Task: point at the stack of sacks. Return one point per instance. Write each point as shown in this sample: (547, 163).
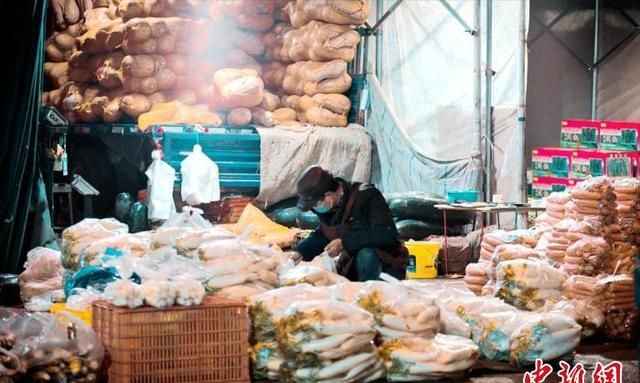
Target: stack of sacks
(137, 54)
(545, 337)
(496, 238)
(615, 295)
(265, 310)
(477, 276)
(555, 208)
(627, 192)
(316, 46)
(588, 256)
(595, 200)
(398, 311)
(328, 340)
(583, 311)
(418, 359)
(528, 283)
(232, 262)
(579, 287)
(508, 252)
(622, 260)
(559, 242)
(78, 237)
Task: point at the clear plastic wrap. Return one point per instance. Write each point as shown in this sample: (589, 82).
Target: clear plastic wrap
(583, 311)
(265, 309)
(527, 283)
(546, 337)
(588, 256)
(398, 311)
(42, 274)
(43, 344)
(79, 236)
(328, 339)
(418, 359)
(319, 272)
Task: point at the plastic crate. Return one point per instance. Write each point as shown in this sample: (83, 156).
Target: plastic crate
(83, 315)
(197, 344)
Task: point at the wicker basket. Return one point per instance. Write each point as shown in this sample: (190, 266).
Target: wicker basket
(205, 343)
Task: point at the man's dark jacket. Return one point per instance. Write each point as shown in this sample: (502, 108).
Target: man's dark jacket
(370, 224)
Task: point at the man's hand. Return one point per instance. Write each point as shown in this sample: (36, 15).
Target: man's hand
(295, 256)
(334, 248)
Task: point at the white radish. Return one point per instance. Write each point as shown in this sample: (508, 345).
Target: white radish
(324, 344)
(344, 365)
(221, 281)
(395, 322)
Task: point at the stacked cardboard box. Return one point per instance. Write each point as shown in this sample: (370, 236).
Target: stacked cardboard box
(589, 148)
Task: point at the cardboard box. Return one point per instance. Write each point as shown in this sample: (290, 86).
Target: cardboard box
(580, 134)
(543, 186)
(594, 163)
(619, 136)
(551, 162)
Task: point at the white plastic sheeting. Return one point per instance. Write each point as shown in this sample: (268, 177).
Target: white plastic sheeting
(422, 113)
(286, 151)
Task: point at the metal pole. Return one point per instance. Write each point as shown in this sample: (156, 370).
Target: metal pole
(378, 34)
(477, 84)
(488, 125)
(365, 55)
(523, 95)
(594, 73)
(386, 14)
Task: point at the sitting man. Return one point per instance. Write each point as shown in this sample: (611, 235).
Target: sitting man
(355, 225)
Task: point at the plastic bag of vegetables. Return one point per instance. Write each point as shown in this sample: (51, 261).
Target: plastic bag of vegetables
(265, 309)
(79, 236)
(42, 347)
(547, 337)
(418, 359)
(399, 312)
(327, 339)
(528, 283)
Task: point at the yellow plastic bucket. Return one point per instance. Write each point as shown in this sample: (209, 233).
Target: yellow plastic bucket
(422, 259)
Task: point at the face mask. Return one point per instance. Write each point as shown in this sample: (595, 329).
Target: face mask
(321, 209)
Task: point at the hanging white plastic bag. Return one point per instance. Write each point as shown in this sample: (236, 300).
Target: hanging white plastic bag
(200, 178)
(161, 177)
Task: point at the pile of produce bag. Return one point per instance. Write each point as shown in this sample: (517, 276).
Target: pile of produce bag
(555, 208)
(42, 347)
(398, 311)
(615, 295)
(583, 311)
(579, 287)
(136, 245)
(188, 243)
(546, 337)
(328, 340)
(556, 248)
(496, 238)
(42, 274)
(81, 235)
(418, 359)
(588, 256)
(477, 275)
(528, 283)
(232, 262)
(627, 191)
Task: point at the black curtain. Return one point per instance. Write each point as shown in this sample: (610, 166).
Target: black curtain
(23, 25)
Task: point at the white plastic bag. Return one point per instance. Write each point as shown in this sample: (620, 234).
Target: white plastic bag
(161, 177)
(200, 178)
